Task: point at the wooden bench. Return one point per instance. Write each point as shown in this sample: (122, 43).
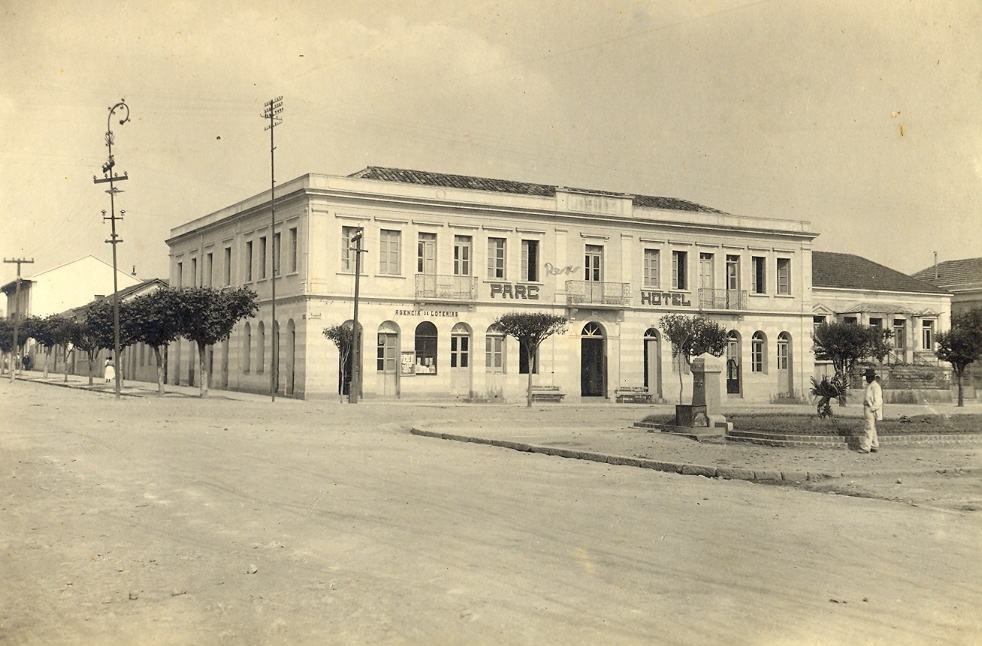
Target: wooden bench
(547, 394)
(632, 395)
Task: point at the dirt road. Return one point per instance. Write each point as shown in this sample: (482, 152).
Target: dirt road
(182, 521)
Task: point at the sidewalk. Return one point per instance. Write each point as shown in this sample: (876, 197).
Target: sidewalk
(131, 388)
(607, 434)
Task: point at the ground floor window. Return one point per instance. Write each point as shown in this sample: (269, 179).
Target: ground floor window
(426, 343)
(494, 352)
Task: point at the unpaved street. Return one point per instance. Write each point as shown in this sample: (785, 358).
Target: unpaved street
(181, 521)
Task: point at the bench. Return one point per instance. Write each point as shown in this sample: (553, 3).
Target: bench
(632, 395)
(547, 394)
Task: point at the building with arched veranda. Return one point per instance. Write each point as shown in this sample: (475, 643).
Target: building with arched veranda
(445, 255)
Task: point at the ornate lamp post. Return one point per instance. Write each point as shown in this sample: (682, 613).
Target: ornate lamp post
(108, 175)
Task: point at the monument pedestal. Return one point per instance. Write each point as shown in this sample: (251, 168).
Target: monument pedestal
(706, 408)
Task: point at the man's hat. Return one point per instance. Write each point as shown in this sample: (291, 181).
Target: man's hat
(870, 372)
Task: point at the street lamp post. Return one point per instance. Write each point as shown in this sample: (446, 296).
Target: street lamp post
(108, 175)
(354, 389)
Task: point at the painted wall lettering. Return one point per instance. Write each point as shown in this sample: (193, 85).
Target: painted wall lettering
(553, 271)
(519, 291)
(674, 299)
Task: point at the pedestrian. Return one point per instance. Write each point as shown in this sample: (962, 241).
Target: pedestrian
(872, 411)
(110, 369)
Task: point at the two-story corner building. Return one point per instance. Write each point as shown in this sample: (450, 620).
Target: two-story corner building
(445, 255)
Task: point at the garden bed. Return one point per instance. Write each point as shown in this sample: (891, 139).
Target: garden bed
(811, 425)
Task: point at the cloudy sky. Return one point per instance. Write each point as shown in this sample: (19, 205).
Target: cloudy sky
(864, 118)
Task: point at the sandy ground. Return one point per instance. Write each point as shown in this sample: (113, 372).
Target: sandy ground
(176, 521)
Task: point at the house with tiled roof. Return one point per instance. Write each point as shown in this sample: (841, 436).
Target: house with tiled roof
(442, 256)
(850, 288)
(963, 278)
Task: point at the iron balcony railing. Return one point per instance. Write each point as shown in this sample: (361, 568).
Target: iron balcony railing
(587, 292)
(722, 299)
(446, 288)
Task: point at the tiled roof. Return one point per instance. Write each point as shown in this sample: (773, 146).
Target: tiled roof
(954, 273)
(848, 271)
(508, 186)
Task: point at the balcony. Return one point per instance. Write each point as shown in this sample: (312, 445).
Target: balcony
(586, 292)
(722, 299)
(439, 287)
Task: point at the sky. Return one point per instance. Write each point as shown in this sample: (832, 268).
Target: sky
(863, 118)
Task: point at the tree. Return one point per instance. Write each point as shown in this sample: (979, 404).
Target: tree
(45, 333)
(962, 345)
(530, 329)
(206, 316)
(845, 345)
(65, 329)
(343, 337)
(6, 341)
(691, 336)
(154, 319)
(89, 336)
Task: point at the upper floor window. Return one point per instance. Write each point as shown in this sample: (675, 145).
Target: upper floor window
(347, 253)
(760, 275)
(530, 260)
(209, 268)
(389, 252)
(461, 255)
(651, 274)
(426, 254)
(733, 273)
(248, 262)
(293, 251)
(179, 274)
(593, 263)
(262, 257)
(194, 272)
(706, 271)
(679, 274)
(784, 276)
(496, 258)
(276, 253)
(227, 268)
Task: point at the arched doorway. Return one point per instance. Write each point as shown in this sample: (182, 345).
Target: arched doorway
(785, 387)
(387, 359)
(733, 363)
(460, 360)
(593, 361)
(652, 363)
(494, 363)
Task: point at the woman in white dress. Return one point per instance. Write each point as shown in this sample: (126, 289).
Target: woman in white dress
(110, 370)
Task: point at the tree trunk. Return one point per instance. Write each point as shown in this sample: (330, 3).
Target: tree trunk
(47, 353)
(680, 380)
(90, 367)
(961, 401)
(160, 371)
(202, 370)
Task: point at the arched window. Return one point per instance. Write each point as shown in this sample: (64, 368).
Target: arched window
(783, 350)
(260, 348)
(758, 353)
(494, 351)
(426, 342)
(246, 348)
(460, 346)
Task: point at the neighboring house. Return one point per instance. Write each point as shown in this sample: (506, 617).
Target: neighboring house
(445, 255)
(137, 361)
(64, 287)
(963, 278)
(851, 289)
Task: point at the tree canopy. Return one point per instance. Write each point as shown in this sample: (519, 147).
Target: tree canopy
(692, 336)
(530, 329)
(961, 345)
(154, 319)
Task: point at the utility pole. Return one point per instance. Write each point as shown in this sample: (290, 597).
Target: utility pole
(273, 108)
(354, 389)
(108, 175)
(18, 317)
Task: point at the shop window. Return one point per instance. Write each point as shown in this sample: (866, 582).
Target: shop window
(758, 353)
(496, 258)
(530, 260)
(494, 351)
(680, 278)
(651, 266)
(389, 252)
(760, 275)
(784, 276)
(426, 342)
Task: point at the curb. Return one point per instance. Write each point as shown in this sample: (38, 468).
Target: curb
(726, 473)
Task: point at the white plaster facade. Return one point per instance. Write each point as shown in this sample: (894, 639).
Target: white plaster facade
(457, 257)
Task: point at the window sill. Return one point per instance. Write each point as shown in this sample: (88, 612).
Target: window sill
(783, 295)
(758, 295)
(399, 276)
